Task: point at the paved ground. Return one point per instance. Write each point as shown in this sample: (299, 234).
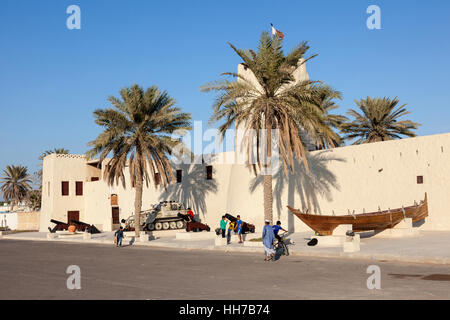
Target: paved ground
(36, 270)
(426, 247)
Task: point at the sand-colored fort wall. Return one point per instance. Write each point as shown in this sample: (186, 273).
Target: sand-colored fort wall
(356, 178)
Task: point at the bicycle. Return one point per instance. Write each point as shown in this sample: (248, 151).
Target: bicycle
(280, 245)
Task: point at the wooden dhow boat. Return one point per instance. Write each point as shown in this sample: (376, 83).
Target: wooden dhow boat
(324, 225)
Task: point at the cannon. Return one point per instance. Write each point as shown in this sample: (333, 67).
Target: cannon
(60, 226)
(82, 226)
(246, 227)
(192, 224)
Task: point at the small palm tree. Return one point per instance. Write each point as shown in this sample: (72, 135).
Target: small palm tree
(15, 184)
(378, 121)
(137, 131)
(34, 199)
(55, 150)
(275, 100)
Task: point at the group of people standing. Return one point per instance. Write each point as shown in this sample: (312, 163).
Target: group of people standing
(235, 226)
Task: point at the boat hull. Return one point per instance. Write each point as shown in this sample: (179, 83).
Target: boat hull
(325, 225)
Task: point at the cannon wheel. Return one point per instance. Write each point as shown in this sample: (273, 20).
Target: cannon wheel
(165, 225)
(172, 225)
(158, 226)
(180, 224)
(151, 226)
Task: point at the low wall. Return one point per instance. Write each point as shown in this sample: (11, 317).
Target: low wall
(25, 221)
(8, 220)
(28, 221)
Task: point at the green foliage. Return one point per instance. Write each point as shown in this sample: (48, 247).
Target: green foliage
(378, 121)
(15, 184)
(275, 100)
(138, 129)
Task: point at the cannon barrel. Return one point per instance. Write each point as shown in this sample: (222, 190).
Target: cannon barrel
(82, 226)
(59, 226)
(58, 222)
(79, 222)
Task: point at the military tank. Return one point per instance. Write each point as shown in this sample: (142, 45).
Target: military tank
(165, 215)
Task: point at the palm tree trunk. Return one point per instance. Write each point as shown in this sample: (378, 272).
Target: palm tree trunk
(268, 198)
(138, 206)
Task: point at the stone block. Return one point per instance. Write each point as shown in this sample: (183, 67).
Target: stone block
(397, 233)
(87, 236)
(329, 241)
(342, 229)
(405, 223)
(52, 235)
(402, 229)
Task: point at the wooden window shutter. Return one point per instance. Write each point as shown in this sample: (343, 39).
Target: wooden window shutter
(65, 188)
(79, 188)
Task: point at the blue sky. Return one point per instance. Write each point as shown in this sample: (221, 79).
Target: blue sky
(52, 78)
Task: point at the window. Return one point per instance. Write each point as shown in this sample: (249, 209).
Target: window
(94, 178)
(157, 178)
(79, 188)
(419, 179)
(209, 172)
(179, 175)
(65, 188)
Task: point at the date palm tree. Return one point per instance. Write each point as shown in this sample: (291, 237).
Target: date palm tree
(378, 121)
(273, 100)
(15, 184)
(55, 150)
(137, 132)
(327, 103)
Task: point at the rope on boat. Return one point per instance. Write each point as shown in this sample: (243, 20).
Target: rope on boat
(403, 211)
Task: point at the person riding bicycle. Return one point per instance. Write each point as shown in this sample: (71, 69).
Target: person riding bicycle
(276, 228)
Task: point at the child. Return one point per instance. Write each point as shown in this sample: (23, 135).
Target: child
(118, 236)
(231, 227)
(223, 226)
(239, 228)
(276, 228)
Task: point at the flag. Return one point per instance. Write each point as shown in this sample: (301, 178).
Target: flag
(277, 32)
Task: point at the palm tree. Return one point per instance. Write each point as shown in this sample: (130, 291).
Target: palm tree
(275, 100)
(378, 121)
(326, 101)
(55, 150)
(138, 128)
(15, 185)
(34, 199)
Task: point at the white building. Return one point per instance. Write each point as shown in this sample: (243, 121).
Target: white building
(360, 178)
